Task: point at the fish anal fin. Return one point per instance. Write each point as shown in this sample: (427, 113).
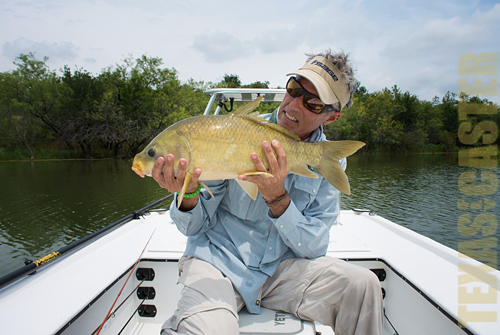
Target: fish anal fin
(258, 173)
(302, 170)
(250, 188)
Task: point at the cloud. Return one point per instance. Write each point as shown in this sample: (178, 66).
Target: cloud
(221, 47)
(446, 36)
(57, 51)
(422, 56)
(278, 40)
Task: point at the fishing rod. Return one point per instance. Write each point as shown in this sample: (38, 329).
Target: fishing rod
(32, 267)
(123, 302)
(121, 290)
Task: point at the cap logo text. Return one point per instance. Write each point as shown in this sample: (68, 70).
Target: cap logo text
(326, 68)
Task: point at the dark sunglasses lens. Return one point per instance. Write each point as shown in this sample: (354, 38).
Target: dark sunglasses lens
(293, 88)
(313, 103)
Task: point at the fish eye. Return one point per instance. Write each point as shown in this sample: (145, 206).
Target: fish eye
(152, 152)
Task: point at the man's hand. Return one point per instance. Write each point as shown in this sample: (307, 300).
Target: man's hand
(273, 187)
(168, 180)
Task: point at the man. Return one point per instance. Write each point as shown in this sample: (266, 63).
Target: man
(271, 252)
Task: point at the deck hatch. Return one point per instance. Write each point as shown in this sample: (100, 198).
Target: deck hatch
(147, 293)
(148, 274)
(380, 273)
(147, 311)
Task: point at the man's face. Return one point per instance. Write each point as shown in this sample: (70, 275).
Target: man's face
(295, 117)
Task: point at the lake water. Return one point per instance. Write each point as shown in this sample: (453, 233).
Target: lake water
(46, 205)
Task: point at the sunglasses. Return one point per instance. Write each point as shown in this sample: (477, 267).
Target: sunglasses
(311, 102)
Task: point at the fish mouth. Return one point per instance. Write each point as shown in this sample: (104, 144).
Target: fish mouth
(290, 117)
(138, 171)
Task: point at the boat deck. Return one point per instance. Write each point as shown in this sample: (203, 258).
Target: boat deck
(419, 278)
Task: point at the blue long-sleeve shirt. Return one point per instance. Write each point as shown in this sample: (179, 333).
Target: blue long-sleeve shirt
(241, 238)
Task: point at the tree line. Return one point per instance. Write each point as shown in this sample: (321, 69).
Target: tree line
(393, 121)
(117, 112)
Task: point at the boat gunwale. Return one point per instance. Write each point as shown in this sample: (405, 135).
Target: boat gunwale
(31, 268)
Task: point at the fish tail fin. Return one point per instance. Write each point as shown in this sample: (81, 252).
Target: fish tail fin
(329, 166)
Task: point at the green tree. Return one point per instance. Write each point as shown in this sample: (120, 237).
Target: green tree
(16, 119)
(142, 99)
(39, 87)
(230, 81)
(80, 102)
(257, 84)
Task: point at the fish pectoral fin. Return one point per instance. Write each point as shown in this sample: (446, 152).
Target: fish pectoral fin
(302, 170)
(206, 187)
(258, 173)
(250, 188)
(180, 196)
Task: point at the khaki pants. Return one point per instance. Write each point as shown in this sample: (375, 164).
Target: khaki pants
(328, 290)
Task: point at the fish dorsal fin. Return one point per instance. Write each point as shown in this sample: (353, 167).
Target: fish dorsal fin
(282, 130)
(245, 110)
(245, 113)
(276, 127)
(256, 113)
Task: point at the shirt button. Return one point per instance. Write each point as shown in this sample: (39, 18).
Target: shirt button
(314, 190)
(299, 244)
(270, 248)
(281, 226)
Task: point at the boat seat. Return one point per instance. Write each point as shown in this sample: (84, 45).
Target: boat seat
(273, 322)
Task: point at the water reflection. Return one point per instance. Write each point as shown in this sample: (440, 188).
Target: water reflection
(47, 205)
(419, 192)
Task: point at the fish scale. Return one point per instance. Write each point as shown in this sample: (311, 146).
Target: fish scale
(220, 145)
(214, 137)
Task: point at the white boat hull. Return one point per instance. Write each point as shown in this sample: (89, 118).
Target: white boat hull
(74, 294)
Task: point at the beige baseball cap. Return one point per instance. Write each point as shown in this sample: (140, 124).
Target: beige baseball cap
(327, 79)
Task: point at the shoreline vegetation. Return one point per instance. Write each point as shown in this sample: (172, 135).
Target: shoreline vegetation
(75, 115)
(19, 156)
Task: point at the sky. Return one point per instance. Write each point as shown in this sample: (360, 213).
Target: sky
(413, 44)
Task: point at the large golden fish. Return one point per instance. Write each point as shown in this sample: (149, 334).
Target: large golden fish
(220, 145)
